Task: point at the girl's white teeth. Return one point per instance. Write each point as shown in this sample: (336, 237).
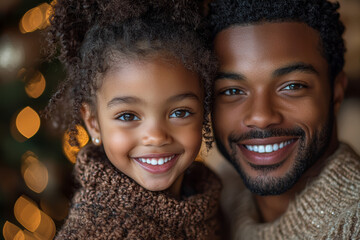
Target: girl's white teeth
(268, 148)
(156, 161)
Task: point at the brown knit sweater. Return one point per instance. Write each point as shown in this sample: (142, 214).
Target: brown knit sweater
(328, 208)
(110, 205)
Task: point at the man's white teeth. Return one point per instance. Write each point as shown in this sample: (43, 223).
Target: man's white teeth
(268, 148)
(156, 161)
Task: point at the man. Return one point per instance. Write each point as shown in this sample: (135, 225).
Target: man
(277, 93)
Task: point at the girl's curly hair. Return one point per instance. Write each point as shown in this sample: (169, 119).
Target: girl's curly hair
(84, 34)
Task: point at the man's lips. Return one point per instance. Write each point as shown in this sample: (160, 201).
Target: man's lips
(267, 151)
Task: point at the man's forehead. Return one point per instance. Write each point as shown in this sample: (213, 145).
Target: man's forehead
(266, 30)
(280, 39)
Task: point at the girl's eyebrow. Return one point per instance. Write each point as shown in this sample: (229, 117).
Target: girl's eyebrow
(183, 96)
(128, 99)
(125, 99)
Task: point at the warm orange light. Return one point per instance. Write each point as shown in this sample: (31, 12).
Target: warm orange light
(28, 158)
(33, 219)
(31, 20)
(35, 18)
(35, 86)
(27, 122)
(15, 132)
(27, 213)
(12, 232)
(71, 151)
(34, 172)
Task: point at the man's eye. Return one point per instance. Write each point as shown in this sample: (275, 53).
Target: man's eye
(127, 117)
(294, 86)
(180, 114)
(232, 91)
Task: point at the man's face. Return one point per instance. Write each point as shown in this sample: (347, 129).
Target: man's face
(273, 114)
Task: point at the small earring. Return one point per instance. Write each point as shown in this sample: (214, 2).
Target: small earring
(96, 141)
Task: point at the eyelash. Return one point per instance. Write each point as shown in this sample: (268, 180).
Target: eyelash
(294, 86)
(129, 117)
(123, 116)
(187, 112)
(232, 92)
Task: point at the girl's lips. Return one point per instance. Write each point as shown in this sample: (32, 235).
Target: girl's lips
(157, 163)
(269, 152)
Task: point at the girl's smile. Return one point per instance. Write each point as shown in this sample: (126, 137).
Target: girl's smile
(158, 165)
(149, 117)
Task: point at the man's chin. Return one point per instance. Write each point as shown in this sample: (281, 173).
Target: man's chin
(268, 185)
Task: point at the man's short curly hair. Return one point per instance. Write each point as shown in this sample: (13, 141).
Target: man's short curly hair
(320, 15)
(91, 36)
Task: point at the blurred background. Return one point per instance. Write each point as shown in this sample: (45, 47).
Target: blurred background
(36, 163)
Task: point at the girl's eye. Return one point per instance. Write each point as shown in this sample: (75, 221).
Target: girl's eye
(232, 91)
(294, 86)
(127, 117)
(180, 114)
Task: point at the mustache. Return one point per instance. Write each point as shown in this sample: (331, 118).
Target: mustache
(275, 132)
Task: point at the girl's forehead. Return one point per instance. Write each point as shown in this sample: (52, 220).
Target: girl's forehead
(154, 78)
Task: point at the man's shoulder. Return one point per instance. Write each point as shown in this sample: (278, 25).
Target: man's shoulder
(346, 225)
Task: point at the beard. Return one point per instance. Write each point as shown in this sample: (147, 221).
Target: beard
(309, 151)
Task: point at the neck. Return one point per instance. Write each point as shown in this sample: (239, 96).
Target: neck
(272, 207)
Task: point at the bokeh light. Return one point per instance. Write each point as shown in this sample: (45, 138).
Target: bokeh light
(12, 232)
(35, 18)
(34, 172)
(35, 86)
(12, 54)
(71, 151)
(33, 219)
(27, 122)
(15, 132)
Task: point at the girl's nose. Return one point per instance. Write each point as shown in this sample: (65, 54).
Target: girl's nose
(156, 134)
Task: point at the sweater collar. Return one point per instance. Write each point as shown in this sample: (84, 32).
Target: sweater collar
(113, 189)
(324, 198)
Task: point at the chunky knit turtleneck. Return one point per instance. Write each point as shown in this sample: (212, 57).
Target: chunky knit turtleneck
(110, 205)
(328, 208)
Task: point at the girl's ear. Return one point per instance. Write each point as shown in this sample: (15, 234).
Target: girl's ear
(340, 85)
(90, 120)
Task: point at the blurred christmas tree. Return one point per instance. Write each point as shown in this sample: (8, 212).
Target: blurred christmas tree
(35, 176)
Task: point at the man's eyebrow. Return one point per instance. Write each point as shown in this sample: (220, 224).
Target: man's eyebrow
(119, 100)
(295, 67)
(229, 75)
(183, 96)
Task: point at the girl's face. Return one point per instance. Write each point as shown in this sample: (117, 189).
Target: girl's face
(149, 118)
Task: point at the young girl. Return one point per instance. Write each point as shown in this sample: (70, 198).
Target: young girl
(139, 79)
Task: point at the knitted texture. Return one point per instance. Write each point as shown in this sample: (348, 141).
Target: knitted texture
(110, 205)
(328, 208)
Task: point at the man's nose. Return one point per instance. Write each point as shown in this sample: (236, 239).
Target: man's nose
(262, 112)
(156, 134)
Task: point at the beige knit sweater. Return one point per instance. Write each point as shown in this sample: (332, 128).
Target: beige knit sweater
(328, 208)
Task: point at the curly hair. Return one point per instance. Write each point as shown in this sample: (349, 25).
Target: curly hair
(320, 15)
(84, 34)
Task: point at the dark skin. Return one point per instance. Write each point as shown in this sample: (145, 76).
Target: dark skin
(273, 76)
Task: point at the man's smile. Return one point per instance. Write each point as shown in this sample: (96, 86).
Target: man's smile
(269, 147)
(267, 151)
